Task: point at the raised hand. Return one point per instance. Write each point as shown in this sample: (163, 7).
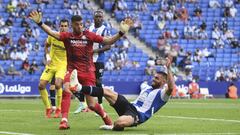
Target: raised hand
(168, 61)
(35, 16)
(125, 25)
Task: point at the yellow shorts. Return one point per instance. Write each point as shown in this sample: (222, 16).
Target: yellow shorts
(48, 74)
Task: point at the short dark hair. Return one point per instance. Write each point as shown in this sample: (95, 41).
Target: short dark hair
(64, 20)
(98, 12)
(76, 18)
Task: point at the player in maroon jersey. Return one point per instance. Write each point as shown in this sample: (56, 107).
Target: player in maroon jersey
(79, 48)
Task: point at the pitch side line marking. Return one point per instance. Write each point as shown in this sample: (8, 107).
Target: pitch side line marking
(195, 118)
(179, 134)
(13, 133)
(200, 134)
(193, 103)
(163, 116)
(12, 110)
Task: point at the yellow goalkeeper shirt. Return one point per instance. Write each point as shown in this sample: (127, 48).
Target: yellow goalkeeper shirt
(57, 54)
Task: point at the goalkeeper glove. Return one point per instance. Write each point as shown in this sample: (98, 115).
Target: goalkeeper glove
(36, 17)
(125, 25)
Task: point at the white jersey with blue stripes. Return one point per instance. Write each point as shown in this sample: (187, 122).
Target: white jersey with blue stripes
(150, 101)
(102, 31)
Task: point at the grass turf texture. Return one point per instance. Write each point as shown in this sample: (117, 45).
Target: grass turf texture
(176, 117)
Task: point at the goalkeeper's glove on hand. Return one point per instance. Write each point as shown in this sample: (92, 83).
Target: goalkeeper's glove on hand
(36, 16)
(125, 25)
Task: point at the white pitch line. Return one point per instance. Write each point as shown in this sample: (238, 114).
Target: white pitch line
(122, 134)
(196, 118)
(13, 133)
(13, 110)
(176, 134)
(163, 116)
(194, 103)
(199, 134)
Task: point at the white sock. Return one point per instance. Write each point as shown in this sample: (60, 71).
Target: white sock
(64, 119)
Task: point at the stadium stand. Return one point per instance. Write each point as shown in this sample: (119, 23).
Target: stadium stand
(227, 57)
(51, 11)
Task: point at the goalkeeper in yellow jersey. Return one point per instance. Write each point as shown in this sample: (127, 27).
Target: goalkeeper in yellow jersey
(55, 66)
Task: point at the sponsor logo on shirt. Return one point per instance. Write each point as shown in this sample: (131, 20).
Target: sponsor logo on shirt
(79, 42)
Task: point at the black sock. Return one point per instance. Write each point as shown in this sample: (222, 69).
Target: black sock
(52, 97)
(80, 96)
(99, 85)
(92, 91)
(100, 99)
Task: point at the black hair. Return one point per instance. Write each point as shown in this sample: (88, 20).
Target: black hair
(76, 18)
(64, 20)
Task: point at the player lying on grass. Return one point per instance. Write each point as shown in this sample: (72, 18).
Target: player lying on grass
(147, 103)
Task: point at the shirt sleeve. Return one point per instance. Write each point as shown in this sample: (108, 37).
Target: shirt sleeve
(49, 40)
(63, 35)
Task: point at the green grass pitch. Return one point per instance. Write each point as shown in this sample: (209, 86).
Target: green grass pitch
(177, 117)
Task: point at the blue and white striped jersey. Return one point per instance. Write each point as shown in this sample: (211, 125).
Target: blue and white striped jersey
(149, 102)
(102, 31)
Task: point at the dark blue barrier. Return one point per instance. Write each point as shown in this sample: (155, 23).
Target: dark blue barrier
(215, 88)
(19, 88)
(124, 87)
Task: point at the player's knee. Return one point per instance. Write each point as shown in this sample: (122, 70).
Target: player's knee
(58, 83)
(58, 86)
(41, 86)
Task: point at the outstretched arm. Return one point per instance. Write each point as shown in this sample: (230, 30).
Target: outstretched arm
(124, 27)
(37, 18)
(170, 79)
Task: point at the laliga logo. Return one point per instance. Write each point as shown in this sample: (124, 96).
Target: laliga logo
(182, 88)
(1, 88)
(15, 88)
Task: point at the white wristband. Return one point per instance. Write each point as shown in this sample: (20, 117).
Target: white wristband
(48, 57)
